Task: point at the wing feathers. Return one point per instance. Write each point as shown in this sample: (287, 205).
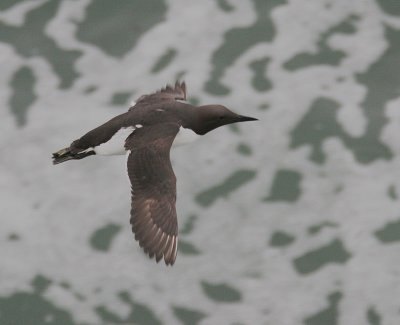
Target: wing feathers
(153, 213)
(178, 92)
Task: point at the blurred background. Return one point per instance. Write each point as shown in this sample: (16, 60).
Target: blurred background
(290, 220)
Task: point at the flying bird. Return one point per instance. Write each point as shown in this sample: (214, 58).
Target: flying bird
(145, 133)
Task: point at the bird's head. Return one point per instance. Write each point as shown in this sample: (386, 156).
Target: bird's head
(211, 117)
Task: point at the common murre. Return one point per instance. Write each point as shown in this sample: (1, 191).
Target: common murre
(146, 133)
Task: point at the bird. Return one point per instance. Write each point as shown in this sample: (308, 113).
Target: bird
(145, 134)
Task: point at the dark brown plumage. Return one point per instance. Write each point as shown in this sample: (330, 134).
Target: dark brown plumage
(151, 126)
(153, 214)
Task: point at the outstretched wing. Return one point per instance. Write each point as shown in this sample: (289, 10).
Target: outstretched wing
(153, 213)
(178, 92)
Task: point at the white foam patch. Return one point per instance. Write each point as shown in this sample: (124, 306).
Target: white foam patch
(116, 145)
(56, 209)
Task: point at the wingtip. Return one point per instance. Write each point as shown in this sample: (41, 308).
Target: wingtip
(160, 247)
(183, 87)
(61, 156)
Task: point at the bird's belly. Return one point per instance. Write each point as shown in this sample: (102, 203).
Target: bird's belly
(115, 145)
(184, 136)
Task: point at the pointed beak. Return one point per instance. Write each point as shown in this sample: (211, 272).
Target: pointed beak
(242, 118)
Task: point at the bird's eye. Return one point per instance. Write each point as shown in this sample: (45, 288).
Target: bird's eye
(221, 117)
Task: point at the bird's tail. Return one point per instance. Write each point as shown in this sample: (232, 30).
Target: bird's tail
(66, 154)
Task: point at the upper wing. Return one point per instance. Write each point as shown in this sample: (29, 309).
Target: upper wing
(153, 214)
(178, 92)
